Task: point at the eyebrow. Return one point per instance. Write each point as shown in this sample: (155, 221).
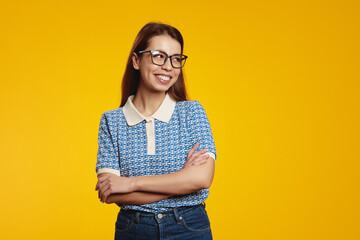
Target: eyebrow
(167, 53)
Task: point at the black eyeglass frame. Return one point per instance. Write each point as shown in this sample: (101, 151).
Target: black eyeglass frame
(184, 57)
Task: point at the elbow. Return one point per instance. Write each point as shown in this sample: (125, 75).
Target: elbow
(204, 182)
(204, 175)
(207, 183)
(195, 184)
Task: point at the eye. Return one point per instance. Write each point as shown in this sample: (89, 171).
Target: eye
(158, 55)
(177, 58)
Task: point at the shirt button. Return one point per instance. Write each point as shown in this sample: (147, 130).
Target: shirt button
(160, 215)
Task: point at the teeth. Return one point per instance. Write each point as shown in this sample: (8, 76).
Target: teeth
(163, 77)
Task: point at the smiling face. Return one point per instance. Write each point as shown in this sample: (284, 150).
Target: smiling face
(156, 78)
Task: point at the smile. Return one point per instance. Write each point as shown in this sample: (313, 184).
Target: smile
(163, 77)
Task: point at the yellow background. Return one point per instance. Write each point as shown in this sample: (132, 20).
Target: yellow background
(279, 81)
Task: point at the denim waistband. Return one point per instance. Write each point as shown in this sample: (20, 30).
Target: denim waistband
(177, 212)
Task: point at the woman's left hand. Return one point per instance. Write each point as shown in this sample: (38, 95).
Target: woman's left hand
(113, 184)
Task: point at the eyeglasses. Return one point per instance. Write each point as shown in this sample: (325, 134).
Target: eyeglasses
(159, 58)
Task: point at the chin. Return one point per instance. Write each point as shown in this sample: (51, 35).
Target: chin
(163, 87)
(158, 87)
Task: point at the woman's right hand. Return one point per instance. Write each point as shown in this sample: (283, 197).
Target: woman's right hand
(197, 158)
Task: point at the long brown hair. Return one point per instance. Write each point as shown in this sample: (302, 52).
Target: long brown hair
(131, 77)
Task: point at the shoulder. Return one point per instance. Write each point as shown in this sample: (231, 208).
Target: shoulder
(112, 115)
(190, 109)
(189, 105)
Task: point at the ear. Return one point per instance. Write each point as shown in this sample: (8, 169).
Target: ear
(135, 61)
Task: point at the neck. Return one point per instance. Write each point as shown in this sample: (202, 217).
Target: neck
(147, 102)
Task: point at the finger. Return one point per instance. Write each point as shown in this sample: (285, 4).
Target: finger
(187, 164)
(205, 156)
(200, 160)
(104, 188)
(105, 195)
(101, 196)
(197, 154)
(197, 160)
(101, 185)
(193, 149)
(104, 178)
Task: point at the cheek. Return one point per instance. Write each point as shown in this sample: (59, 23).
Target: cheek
(147, 70)
(174, 80)
(177, 74)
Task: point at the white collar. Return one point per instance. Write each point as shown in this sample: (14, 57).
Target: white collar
(163, 113)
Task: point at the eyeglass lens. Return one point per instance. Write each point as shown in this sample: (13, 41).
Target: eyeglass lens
(159, 58)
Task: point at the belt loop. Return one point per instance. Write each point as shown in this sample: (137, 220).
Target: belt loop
(176, 214)
(137, 217)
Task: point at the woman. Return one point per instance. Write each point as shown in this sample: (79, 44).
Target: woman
(156, 154)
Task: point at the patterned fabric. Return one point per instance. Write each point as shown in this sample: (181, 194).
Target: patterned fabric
(124, 148)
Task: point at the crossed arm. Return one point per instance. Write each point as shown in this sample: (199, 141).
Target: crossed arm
(197, 174)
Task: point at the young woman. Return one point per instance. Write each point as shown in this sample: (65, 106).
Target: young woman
(156, 154)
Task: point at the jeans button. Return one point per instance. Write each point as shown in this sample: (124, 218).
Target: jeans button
(160, 215)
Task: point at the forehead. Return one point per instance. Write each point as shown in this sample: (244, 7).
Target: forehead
(164, 43)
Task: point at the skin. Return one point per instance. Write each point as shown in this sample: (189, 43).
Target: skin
(198, 171)
(151, 91)
(156, 188)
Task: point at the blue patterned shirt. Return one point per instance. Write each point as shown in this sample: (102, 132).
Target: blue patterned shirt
(132, 145)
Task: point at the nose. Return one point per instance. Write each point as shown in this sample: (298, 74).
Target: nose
(167, 66)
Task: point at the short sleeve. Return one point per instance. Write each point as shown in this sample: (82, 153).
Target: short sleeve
(200, 130)
(107, 155)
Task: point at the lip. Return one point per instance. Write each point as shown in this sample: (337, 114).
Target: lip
(161, 80)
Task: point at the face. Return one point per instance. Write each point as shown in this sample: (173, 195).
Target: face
(153, 77)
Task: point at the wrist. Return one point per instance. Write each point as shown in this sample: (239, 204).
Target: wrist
(109, 199)
(134, 184)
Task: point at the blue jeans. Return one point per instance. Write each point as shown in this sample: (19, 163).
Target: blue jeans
(180, 223)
